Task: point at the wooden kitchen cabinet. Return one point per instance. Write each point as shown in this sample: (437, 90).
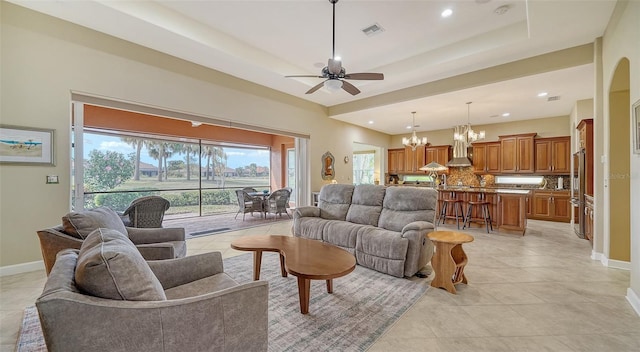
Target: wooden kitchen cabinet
(588, 219)
(585, 133)
(551, 206)
(517, 153)
(441, 154)
(553, 155)
(413, 159)
(486, 158)
(512, 210)
(396, 161)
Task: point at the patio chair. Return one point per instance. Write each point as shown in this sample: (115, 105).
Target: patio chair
(290, 193)
(250, 190)
(277, 202)
(248, 204)
(146, 212)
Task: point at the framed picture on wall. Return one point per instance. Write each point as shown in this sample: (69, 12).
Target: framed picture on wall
(635, 109)
(26, 146)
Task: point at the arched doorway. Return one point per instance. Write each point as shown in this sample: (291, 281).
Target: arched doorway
(619, 165)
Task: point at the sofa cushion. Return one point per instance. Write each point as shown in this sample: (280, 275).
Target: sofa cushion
(110, 266)
(334, 201)
(403, 205)
(366, 204)
(81, 224)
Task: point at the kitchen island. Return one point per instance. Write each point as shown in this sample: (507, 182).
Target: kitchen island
(508, 207)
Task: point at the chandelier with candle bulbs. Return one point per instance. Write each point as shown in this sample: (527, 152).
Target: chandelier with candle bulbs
(413, 141)
(464, 133)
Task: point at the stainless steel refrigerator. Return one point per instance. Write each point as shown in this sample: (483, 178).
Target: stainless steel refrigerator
(577, 192)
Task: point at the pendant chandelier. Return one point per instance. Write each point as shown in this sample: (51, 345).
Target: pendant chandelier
(413, 141)
(464, 133)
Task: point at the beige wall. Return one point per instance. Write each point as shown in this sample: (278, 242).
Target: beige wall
(545, 127)
(622, 40)
(44, 59)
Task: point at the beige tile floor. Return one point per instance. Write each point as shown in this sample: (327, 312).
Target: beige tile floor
(538, 292)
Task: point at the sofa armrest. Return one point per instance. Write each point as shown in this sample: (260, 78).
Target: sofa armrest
(179, 271)
(157, 251)
(418, 226)
(155, 235)
(420, 249)
(302, 212)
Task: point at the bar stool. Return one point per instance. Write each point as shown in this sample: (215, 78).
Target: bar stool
(483, 205)
(457, 208)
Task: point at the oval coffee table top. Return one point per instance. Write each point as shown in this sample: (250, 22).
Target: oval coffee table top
(450, 237)
(304, 257)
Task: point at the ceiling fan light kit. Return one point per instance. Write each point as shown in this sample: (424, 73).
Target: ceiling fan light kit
(334, 74)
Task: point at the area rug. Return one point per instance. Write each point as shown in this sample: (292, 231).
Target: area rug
(365, 303)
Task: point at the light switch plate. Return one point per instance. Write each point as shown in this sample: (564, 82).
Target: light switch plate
(52, 179)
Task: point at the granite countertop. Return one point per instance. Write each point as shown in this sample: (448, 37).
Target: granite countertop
(483, 190)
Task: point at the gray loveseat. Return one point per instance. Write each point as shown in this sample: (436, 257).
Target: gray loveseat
(384, 227)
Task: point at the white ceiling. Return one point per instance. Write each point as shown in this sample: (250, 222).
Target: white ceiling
(262, 41)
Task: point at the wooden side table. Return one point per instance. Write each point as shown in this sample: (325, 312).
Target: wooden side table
(449, 259)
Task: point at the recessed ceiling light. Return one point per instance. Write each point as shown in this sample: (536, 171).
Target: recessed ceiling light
(542, 94)
(506, 114)
(409, 127)
(371, 122)
(446, 13)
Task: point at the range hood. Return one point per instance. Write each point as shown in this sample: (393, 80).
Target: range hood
(460, 158)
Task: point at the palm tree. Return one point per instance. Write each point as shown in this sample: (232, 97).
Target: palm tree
(136, 143)
(158, 151)
(208, 151)
(190, 150)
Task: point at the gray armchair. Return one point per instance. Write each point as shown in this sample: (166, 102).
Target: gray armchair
(146, 212)
(204, 310)
(153, 244)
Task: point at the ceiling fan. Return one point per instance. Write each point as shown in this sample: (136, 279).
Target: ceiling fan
(334, 74)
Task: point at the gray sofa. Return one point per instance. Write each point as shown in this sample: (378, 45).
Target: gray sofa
(106, 297)
(384, 227)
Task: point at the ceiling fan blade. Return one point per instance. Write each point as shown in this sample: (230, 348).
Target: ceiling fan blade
(350, 88)
(316, 87)
(365, 76)
(334, 66)
(313, 76)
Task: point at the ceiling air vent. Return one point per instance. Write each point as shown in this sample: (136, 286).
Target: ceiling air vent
(553, 98)
(373, 29)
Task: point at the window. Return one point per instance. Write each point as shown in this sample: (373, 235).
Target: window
(363, 168)
(198, 177)
(291, 171)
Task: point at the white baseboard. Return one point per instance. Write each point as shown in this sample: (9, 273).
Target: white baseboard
(610, 263)
(597, 256)
(618, 264)
(21, 268)
(633, 299)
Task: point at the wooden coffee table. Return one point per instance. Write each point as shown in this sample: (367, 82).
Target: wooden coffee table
(449, 259)
(303, 258)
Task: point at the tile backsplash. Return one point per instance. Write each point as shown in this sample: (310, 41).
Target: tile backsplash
(468, 178)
